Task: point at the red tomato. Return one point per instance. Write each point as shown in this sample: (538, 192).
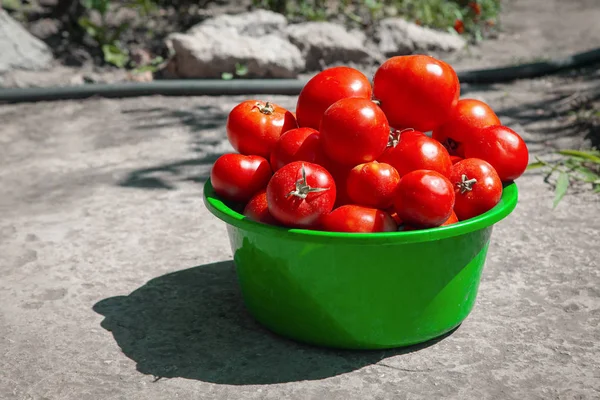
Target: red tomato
(452, 220)
(477, 187)
(467, 120)
(300, 194)
(424, 199)
(416, 91)
(257, 209)
(340, 175)
(476, 7)
(503, 148)
(414, 151)
(354, 131)
(353, 218)
(455, 159)
(327, 87)
(372, 184)
(301, 144)
(253, 127)
(237, 177)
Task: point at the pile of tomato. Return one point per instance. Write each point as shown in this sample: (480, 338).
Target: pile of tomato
(403, 153)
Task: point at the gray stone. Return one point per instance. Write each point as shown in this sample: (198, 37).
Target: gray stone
(255, 23)
(396, 36)
(209, 51)
(324, 43)
(19, 49)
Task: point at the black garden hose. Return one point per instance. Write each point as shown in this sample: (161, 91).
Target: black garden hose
(215, 87)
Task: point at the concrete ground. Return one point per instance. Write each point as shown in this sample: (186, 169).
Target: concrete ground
(117, 283)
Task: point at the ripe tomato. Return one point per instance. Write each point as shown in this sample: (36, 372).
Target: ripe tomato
(414, 151)
(477, 187)
(416, 91)
(300, 194)
(253, 127)
(424, 199)
(300, 144)
(257, 209)
(467, 120)
(237, 177)
(340, 176)
(503, 148)
(455, 159)
(327, 87)
(372, 184)
(353, 218)
(453, 218)
(354, 131)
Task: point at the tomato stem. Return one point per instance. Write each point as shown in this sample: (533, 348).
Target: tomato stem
(303, 189)
(466, 185)
(266, 108)
(394, 136)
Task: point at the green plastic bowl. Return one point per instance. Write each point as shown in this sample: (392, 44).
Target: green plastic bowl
(360, 291)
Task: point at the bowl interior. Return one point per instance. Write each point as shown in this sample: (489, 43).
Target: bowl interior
(227, 214)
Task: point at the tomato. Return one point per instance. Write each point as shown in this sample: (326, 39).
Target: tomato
(353, 218)
(340, 175)
(459, 26)
(300, 194)
(416, 91)
(354, 131)
(257, 209)
(414, 151)
(327, 87)
(301, 144)
(372, 184)
(477, 187)
(452, 219)
(503, 148)
(424, 199)
(237, 177)
(455, 159)
(467, 120)
(253, 127)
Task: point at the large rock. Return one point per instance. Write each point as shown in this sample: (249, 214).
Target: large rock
(254, 23)
(19, 49)
(324, 43)
(397, 36)
(208, 51)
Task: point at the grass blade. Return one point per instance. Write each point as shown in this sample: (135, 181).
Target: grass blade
(561, 188)
(535, 165)
(583, 154)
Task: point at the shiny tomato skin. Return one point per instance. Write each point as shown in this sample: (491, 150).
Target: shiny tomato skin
(354, 218)
(479, 196)
(416, 151)
(253, 127)
(300, 144)
(292, 210)
(237, 177)
(503, 148)
(424, 199)
(327, 87)
(455, 159)
(469, 117)
(257, 209)
(354, 131)
(372, 184)
(416, 91)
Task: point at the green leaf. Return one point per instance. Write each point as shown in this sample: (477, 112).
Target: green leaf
(227, 76)
(535, 165)
(589, 175)
(115, 55)
(588, 155)
(562, 184)
(241, 69)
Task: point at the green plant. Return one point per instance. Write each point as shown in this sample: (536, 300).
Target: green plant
(575, 166)
(108, 37)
